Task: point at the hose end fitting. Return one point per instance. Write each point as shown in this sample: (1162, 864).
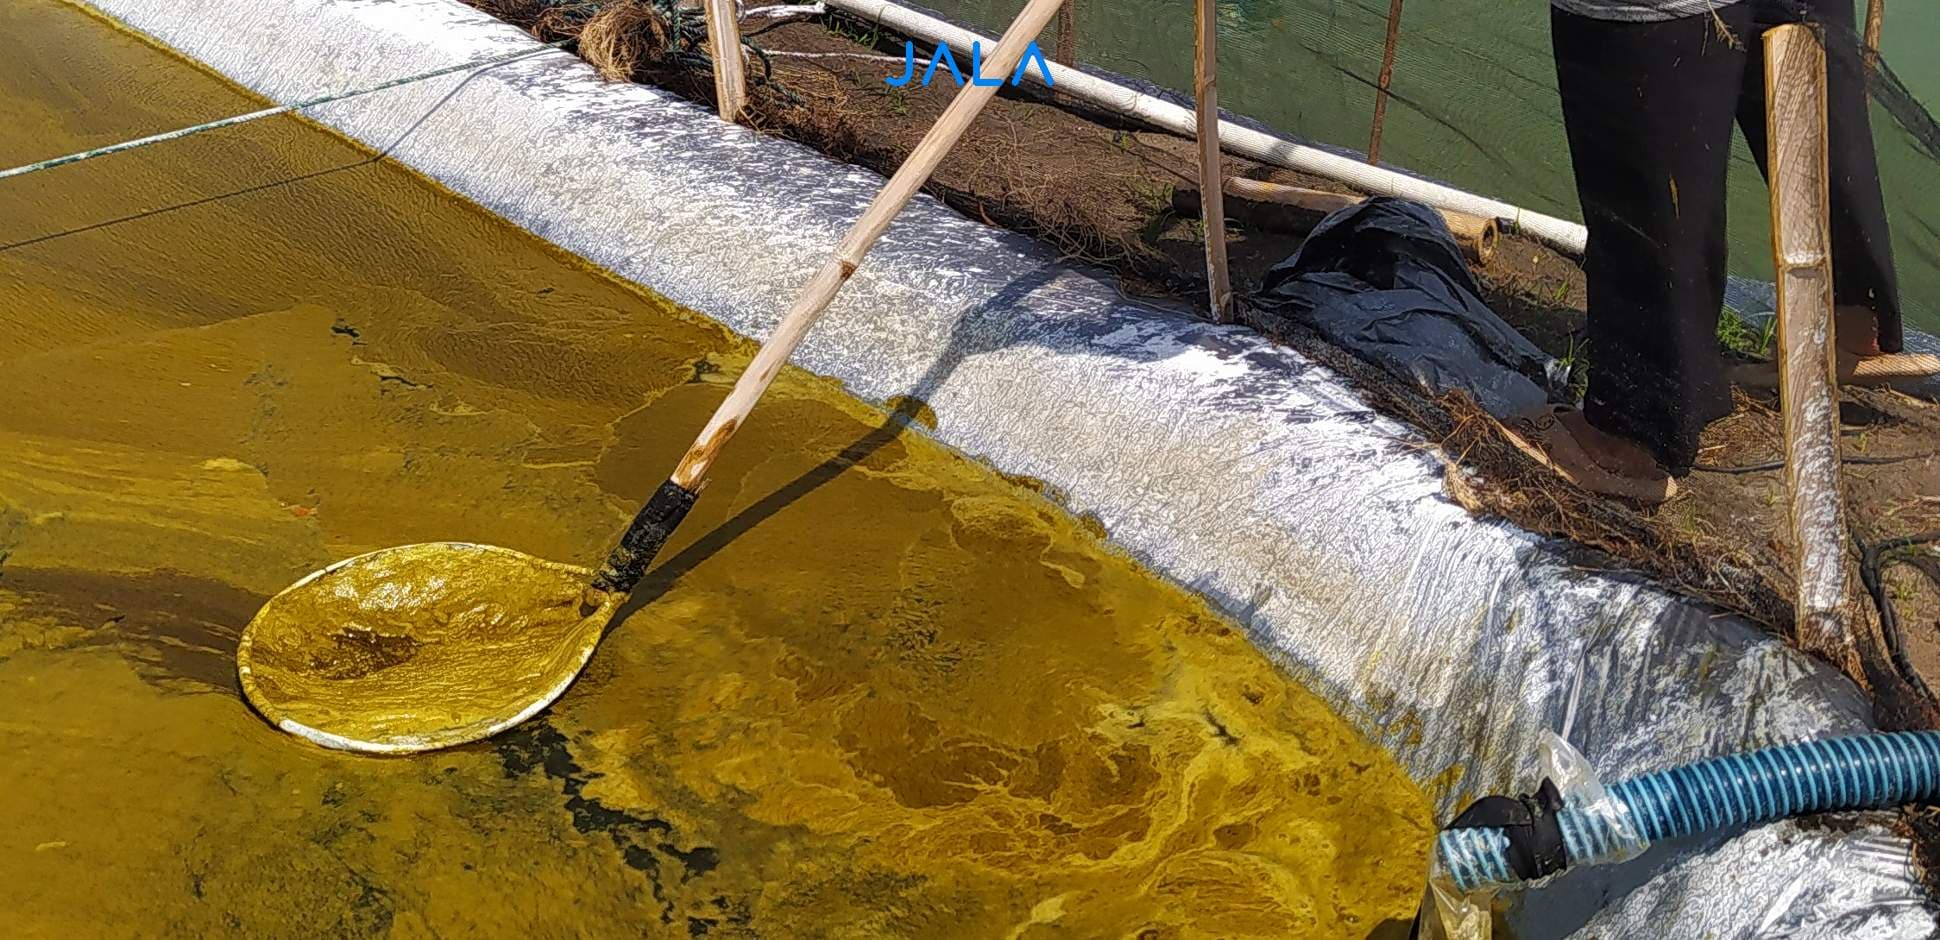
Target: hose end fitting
(1536, 848)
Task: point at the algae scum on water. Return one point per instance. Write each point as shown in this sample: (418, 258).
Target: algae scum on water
(877, 690)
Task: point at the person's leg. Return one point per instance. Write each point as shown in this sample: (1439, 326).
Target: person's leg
(1648, 109)
(1864, 284)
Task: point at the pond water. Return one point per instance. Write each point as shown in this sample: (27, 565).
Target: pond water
(878, 690)
(1475, 100)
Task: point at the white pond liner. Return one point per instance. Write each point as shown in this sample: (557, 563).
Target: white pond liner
(1228, 463)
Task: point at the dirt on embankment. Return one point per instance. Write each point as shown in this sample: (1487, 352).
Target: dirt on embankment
(1103, 191)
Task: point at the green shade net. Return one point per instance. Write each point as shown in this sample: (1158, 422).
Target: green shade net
(1473, 101)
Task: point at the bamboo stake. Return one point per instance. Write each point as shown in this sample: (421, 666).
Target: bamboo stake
(1212, 209)
(1386, 79)
(821, 289)
(1795, 94)
(1875, 14)
(730, 69)
(1066, 52)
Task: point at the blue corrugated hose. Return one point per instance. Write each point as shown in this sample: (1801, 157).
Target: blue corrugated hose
(1873, 771)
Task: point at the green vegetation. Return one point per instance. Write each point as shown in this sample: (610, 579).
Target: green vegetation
(1154, 195)
(854, 30)
(1745, 339)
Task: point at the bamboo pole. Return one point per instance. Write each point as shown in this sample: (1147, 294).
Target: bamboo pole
(730, 68)
(1313, 200)
(1475, 234)
(1795, 94)
(1875, 15)
(1212, 210)
(1066, 52)
(815, 297)
(1281, 208)
(1386, 79)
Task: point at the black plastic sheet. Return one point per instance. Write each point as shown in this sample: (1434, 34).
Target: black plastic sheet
(1384, 279)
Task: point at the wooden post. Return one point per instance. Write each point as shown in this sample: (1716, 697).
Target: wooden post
(1212, 208)
(1834, 617)
(820, 291)
(730, 69)
(1386, 79)
(1066, 52)
(1875, 13)
(1795, 95)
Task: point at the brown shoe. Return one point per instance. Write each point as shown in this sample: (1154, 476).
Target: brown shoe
(1548, 439)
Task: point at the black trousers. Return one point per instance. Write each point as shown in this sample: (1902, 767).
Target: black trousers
(1648, 108)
